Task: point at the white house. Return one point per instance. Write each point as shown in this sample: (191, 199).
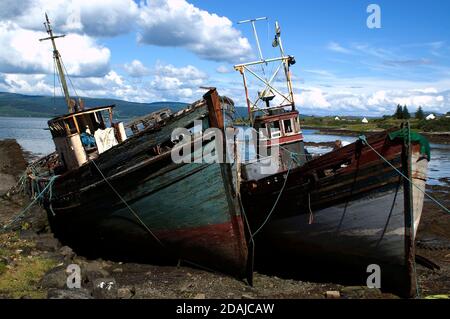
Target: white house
(430, 117)
(337, 118)
(365, 121)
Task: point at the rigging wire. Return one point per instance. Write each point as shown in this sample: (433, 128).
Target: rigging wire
(276, 201)
(364, 140)
(127, 205)
(54, 83)
(59, 81)
(70, 80)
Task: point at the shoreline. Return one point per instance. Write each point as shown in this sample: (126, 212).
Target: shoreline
(433, 137)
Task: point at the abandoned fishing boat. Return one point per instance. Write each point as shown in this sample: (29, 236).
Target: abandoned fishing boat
(106, 190)
(355, 206)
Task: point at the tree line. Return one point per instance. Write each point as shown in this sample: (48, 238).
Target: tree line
(402, 113)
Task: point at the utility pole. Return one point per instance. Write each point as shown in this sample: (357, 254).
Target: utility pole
(57, 58)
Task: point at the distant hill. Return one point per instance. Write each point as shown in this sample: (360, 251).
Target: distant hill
(12, 104)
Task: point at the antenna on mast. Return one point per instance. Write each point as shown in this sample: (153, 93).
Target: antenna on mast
(252, 21)
(57, 58)
(270, 91)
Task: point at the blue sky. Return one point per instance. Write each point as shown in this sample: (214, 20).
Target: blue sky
(166, 49)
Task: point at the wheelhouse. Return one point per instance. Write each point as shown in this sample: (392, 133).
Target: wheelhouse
(280, 128)
(83, 135)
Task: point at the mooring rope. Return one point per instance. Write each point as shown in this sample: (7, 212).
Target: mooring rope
(293, 153)
(364, 140)
(36, 198)
(311, 214)
(276, 201)
(128, 206)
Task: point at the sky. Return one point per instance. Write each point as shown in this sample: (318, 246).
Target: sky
(166, 50)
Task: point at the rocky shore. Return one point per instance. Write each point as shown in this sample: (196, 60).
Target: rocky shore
(33, 264)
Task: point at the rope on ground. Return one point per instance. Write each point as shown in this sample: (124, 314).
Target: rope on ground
(19, 186)
(364, 140)
(48, 187)
(128, 206)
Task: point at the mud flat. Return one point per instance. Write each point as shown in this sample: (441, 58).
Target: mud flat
(33, 263)
(437, 137)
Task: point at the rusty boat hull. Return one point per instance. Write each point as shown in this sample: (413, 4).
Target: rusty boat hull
(345, 210)
(166, 211)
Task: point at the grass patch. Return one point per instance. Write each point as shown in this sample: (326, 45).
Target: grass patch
(23, 279)
(2, 267)
(20, 276)
(441, 124)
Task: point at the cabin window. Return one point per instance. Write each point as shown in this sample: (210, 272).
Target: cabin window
(274, 129)
(264, 133)
(71, 126)
(288, 127)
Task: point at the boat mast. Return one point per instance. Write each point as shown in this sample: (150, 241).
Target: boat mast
(269, 91)
(57, 58)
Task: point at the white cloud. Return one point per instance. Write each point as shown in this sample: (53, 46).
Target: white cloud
(313, 98)
(167, 82)
(96, 18)
(113, 85)
(25, 83)
(369, 96)
(164, 23)
(223, 69)
(377, 98)
(426, 90)
(136, 69)
(188, 72)
(174, 23)
(176, 82)
(23, 53)
(336, 47)
(419, 100)
(324, 73)
(369, 100)
(177, 23)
